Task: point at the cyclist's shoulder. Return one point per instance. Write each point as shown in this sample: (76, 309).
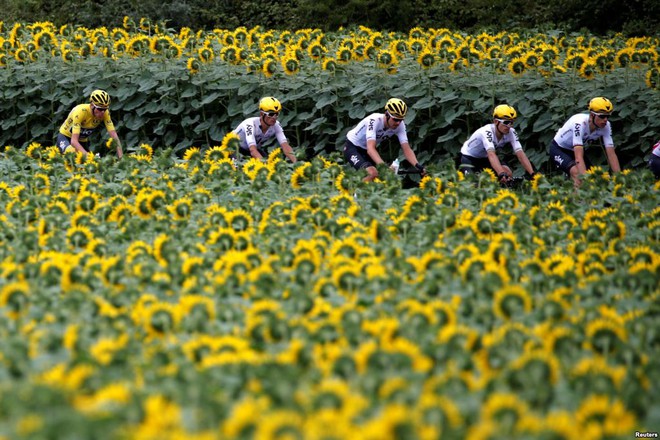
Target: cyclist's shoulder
(252, 120)
(81, 109)
(579, 117)
(483, 130)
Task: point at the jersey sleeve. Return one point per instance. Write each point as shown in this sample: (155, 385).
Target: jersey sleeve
(372, 128)
(77, 119)
(279, 133)
(607, 137)
(577, 134)
(107, 120)
(515, 141)
(249, 129)
(402, 134)
(486, 138)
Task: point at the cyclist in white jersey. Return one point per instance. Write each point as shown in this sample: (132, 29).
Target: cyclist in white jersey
(581, 130)
(480, 150)
(654, 161)
(362, 141)
(253, 132)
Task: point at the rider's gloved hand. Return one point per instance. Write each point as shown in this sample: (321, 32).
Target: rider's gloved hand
(503, 178)
(421, 169)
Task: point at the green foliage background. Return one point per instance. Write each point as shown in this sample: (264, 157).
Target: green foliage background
(166, 106)
(637, 17)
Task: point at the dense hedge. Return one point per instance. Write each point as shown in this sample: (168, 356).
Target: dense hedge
(165, 105)
(638, 17)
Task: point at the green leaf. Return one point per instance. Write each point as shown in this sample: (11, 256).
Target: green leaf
(133, 121)
(325, 100)
(316, 123)
(246, 89)
(543, 122)
(189, 92)
(203, 126)
(134, 102)
(211, 97)
(426, 102)
(450, 135)
(451, 114)
(217, 133)
(147, 84)
(188, 120)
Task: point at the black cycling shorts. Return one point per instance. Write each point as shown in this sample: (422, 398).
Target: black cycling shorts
(471, 164)
(63, 142)
(357, 157)
(654, 164)
(564, 159)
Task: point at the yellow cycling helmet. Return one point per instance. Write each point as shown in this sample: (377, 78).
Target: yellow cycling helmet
(396, 108)
(504, 111)
(601, 105)
(100, 98)
(269, 104)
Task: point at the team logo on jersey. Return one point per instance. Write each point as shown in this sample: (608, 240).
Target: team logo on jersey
(354, 159)
(559, 160)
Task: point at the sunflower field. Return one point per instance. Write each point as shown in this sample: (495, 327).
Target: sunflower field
(153, 297)
(184, 88)
(178, 294)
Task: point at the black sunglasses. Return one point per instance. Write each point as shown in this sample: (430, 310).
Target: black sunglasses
(397, 119)
(602, 116)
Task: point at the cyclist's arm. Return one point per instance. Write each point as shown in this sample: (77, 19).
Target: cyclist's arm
(495, 162)
(613, 159)
(409, 153)
(113, 135)
(579, 159)
(288, 151)
(75, 142)
(255, 153)
(373, 153)
(524, 161)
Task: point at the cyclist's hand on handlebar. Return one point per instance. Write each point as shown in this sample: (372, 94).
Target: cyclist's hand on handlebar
(421, 169)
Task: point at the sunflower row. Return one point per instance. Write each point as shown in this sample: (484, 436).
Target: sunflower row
(272, 52)
(209, 299)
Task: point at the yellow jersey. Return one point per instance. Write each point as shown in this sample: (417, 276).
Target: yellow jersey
(82, 121)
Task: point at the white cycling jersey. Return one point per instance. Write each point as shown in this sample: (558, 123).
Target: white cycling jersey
(373, 127)
(484, 139)
(656, 149)
(576, 131)
(249, 132)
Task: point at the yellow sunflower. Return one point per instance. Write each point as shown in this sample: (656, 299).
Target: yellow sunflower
(290, 65)
(193, 65)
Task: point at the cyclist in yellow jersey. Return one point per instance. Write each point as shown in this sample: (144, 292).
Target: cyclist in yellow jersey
(83, 121)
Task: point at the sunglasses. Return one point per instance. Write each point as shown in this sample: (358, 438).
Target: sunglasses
(272, 114)
(507, 122)
(602, 116)
(397, 119)
(101, 109)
